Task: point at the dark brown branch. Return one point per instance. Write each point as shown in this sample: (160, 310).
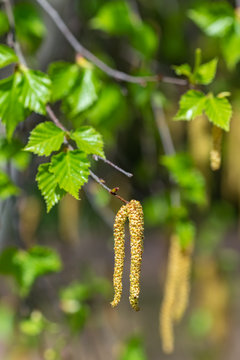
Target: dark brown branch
(80, 49)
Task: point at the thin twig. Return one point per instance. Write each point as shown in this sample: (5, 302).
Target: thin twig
(80, 49)
(15, 44)
(97, 157)
(168, 145)
(54, 118)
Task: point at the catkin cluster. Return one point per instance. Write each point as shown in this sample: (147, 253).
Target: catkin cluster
(176, 292)
(215, 155)
(133, 211)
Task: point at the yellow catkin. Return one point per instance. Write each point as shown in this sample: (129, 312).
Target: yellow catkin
(183, 287)
(136, 228)
(166, 313)
(215, 155)
(119, 250)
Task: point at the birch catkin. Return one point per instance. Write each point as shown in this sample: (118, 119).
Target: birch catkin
(166, 313)
(119, 250)
(136, 227)
(215, 155)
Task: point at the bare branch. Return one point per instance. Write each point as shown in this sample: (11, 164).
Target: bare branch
(96, 157)
(80, 49)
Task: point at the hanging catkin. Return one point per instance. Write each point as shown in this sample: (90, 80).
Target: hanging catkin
(136, 227)
(183, 287)
(215, 155)
(133, 210)
(166, 313)
(119, 250)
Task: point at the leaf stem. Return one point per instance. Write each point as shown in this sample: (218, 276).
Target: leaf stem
(80, 49)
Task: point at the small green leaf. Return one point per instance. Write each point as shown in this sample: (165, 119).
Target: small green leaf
(206, 72)
(35, 91)
(7, 56)
(48, 186)
(63, 76)
(83, 95)
(88, 140)
(45, 138)
(4, 25)
(71, 170)
(230, 47)
(214, 18)
(219, 111)
(7, 188)
(11, 110)
(186, 232)
(34, 325)
(191, 105)
(184, 69)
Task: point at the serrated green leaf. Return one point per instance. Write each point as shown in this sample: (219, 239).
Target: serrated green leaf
(7, 56)
(63, 76)
(71, 170)
(191, 105)
(215, 19)
(206, 72)
(11, 110)
(7, 188)
(35, 91)
(83, 95)
(27, 266)
(219, 111)
(88, 140)
(184, 69)
(45, 138)
(48, 186)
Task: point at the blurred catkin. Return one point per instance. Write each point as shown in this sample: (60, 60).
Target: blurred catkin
(136, 228)
(215, 155)
(119, 251)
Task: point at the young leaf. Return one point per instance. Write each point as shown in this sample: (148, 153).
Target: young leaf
(7, 188)
(88, 140)
(7, 56)
(63, 76)
(11, 110)
(35, 91)
(48, 186)
(206, 72)
(71, 170)
(184, 69)
(45, 138)
(83, 95)
(219, 111)
(191, 105)
(214, 18)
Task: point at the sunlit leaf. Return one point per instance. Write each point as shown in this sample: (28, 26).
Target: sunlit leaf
(191, 105)
(71, 170)
(219, 111)
(206, 72)
(88, 140)
(7, 56)
(45, 138)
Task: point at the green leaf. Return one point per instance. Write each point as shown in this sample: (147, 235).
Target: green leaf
(191, 105)
(48, 186)
(206, 72)
(88, 140)
(4, 25)
(219, 111)
(230, 48)
(214, 18)
(35, 91)
(144, 38)
(133, 350)
(7, 56)
(34, 325)
(189, 179)
(71, 170)
(12, 151)
(27, 266)
(184, 69)
(45, 138)
(11, 110)
(7, 188)
(114, 18)
(63, 76)
(186, 232)
(83, 95)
